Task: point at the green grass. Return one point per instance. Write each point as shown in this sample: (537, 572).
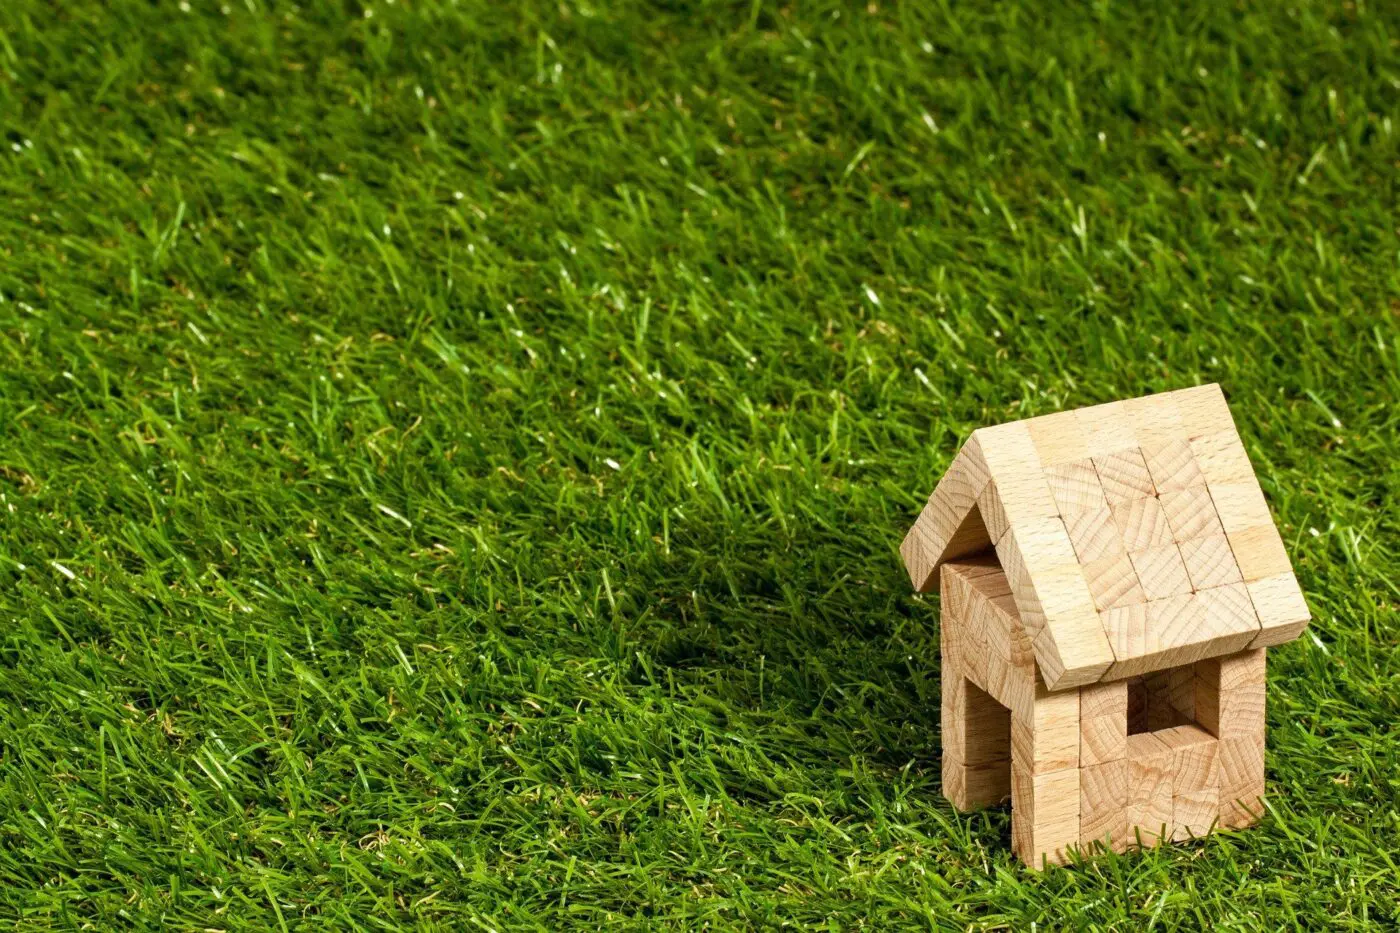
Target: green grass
(454, 458)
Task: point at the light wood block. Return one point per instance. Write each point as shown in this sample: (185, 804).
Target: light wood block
(992, 514)
(1093, 534)
(1107, 429)
(1191, 513)
(1193, 764)
(1161, 571)
(1049, 739)
(974, 787)
(1113, 582)
(1075, 486)
(1156, 419)
(1241, 506)
(1210, 561)
(1103, 723)
(1058, 438)
(1221, 458)
(1172, 466)
(1240, 685)
(1149, 788)
(1103, 805)
(1141, 523)
(1016, 471)
(1241, 780)
(1124, 476)
(1203, 410)
(1048, 809)
(1282, 611)
(1259, 553)
(1171, 697)
(1194, 814)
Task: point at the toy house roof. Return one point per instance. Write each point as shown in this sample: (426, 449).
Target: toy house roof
(1133, 535)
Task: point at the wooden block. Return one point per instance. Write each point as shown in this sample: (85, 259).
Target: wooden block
(1016, 472)
(1022, 651)
(1075, 486)
(955, 782)
(1041, 542)
(1107, 428)
(1194, 753)
(1210, 561)
(1241, 685)
(1228, 618)
(1103, 723)
(972, 787)
(1123, 476)
(1022, 812)
(1172, 466)
(1054, 817)
(1181, 690)
(998, 677)
(977, 473)
(1149, 788)
(1222, 459)
(1191, 513)
(1161, 571)
(1126, 630)
(1058, 438)
(1078, 654)
(1241, 780)
(1161, 714)
(974, 658)
(1141, 523)
(989, 785)
(1113, 582)
(1283, 613)
(1155, 419)
(1019, 691)
(1241, 506)
(1203, 410)
(996, 624)
(1093, 534)
(1194, 814)
(1103, 805)
(1049, 739)
(1206, 695)
(1259, 553)
(993, 515)
(1178, 631)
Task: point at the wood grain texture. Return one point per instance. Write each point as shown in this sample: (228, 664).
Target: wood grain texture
(1124, 476)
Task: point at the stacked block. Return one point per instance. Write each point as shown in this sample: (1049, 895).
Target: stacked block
(1163, 757)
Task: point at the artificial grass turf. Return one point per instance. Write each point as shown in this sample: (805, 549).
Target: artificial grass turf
(455, 453)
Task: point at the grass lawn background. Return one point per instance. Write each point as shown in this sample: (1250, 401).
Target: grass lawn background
(454, 454)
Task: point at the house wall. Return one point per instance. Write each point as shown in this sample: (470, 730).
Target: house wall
(1076, 776)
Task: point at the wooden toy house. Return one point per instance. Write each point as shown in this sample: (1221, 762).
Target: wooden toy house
(1111, 579)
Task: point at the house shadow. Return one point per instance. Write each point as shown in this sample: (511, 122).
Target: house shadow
(792, 655)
